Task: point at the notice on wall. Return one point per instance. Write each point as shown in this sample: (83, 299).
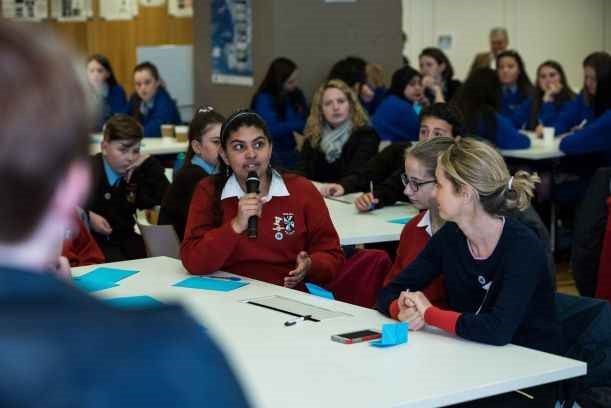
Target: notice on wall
(152, 3)
(118, 9)
(25, 10)
(232, 42)
(180, 8)
(71, 10)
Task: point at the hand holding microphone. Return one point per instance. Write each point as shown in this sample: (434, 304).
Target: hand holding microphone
(249, 208)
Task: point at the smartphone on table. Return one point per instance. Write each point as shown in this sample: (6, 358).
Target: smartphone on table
(356, 336)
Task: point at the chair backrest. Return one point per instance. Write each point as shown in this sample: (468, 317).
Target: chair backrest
(160, 240)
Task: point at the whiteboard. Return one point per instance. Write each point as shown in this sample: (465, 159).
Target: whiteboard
(175, 65)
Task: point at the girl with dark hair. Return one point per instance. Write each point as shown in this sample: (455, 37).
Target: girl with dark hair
(479, 100)
(105, 86)
(517, 90)
(396, 119)
(151, 104)
(594, 136)
(283, 107)
(338, 138)
(201, 160)
(295, 239)
(436, 68)
(552, 95)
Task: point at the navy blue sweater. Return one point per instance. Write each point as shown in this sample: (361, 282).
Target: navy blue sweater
(164, 111)
(595, 137)
(114, 102)
(520, 307)
(505, 136)
(573, 114)
(514, 106)
(396, 120)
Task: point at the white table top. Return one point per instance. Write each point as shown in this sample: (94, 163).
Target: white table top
(537, 150)
(299, 366)
(149, 145)
(363, 228)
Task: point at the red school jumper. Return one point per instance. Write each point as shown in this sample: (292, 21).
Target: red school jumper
(288, 225)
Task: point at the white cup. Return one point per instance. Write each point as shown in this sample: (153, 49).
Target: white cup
(548, 136)
(182, 133)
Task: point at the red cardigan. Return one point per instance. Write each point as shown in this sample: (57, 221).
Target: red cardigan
(81, 249)
(288, 225)
(412, 242)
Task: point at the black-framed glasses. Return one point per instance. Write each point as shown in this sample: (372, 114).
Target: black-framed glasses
(413, 184)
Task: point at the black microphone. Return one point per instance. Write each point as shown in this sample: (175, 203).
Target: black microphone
(252, 186)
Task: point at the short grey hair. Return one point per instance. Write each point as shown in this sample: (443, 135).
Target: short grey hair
(499, 30)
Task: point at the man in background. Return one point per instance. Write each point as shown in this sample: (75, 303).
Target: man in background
(499, 41)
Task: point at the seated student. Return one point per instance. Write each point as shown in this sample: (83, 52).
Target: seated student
(124, 180)
(110, 94)
(385, 169)
(283, 107)
(79, 246)
(579, 112)
(419, 186)
(151, 104)
(201, 160)
(338, 138)
(396, 119)
(479, 100)
(516, 89)
(62, 347)
(295, 239)
(552, 95)
(364, 79)
(594, 136)
(496, 278)
(437, 75)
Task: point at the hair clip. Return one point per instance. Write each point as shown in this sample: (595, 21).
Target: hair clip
(205, 109)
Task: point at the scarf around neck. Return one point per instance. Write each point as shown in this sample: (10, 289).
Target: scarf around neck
(333, 140)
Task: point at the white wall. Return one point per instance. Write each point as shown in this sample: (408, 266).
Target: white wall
(564, 30)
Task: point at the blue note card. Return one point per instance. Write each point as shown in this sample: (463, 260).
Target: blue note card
(201, 282)
(402, 221)
(392, 334)
(110, 275)
(91, 285)
(134, 302)
(318, 291)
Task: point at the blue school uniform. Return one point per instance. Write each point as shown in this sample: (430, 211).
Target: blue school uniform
(506, 136)
(594, 137)
(162, 111)
(572, 114)
(515, 106)
(372, 105)
(282, 128)
(396, 120)
(114, 101)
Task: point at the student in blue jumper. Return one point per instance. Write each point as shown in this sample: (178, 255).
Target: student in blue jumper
(201, 161)
(360, 75)
(283, 107)
(516, 89)
(552, 96)
(437, 75)
(479, 100)
(396, 119)
(580, 112)
(110, 94)
(151, 104)
(495, 272)
(595, 136)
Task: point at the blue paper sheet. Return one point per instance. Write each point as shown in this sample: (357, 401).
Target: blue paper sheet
(392, 334)
(91, 285)
(318, 291)
(402, 221)
(202, 282)
(134, 302)
(109, 275)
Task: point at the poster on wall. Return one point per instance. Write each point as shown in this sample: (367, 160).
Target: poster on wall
(232, 42)
(25, 10)
(118, 9)
(180, 8)
(151, 3)
(71, 10)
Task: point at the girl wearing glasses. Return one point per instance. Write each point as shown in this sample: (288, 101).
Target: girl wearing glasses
(419, 186)
(498, 287)
(201, 161)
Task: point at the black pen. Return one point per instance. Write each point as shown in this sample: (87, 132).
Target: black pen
(231, 278)
(296, 320)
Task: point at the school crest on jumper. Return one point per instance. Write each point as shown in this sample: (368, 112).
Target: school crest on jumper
(284, 225)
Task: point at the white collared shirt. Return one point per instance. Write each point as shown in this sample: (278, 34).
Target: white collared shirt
(277, 188)
(425, 222)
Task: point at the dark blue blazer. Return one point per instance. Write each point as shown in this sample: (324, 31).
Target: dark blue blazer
(60, 347)
(396, 120)
(114, 102)
(164, 111)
